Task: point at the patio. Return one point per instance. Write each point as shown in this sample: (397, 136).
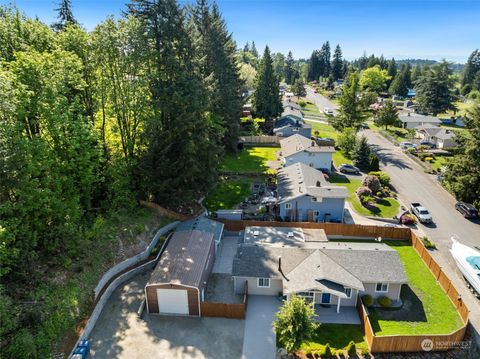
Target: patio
(328, 314)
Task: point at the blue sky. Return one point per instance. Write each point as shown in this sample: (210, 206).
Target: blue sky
(432, 29)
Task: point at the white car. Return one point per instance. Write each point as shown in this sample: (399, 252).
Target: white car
(406, 145)
(328, 111)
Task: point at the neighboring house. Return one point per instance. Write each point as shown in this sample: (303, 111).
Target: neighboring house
(441, 137)
(412, 120)
(178, 282)
(292, 105)
(291, 122)
(289, 95)
(298, 148)
(305, 195)
(323, 273)
(247, 110)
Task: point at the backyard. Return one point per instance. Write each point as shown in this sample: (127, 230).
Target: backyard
(229, 193)
(250, 160)
(384, 207)
(426, 309)
(338, 336)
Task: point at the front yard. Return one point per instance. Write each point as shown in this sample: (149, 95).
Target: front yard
(338, 336)
(426, 309)
(250, 160)
(384, 207)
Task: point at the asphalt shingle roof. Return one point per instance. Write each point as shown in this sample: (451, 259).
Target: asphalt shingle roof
(298, 143)
(419, 118)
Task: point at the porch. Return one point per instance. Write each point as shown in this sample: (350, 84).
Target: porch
(329, 314)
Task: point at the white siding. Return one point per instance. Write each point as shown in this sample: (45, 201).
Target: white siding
(318, 159)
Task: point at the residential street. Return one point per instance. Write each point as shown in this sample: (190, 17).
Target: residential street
(414, 185)
(320, 100)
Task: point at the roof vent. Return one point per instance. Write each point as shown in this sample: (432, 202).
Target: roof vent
(290, 234)
(256, 233)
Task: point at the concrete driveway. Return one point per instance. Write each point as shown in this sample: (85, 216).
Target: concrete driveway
(120, 334)
(259, 338)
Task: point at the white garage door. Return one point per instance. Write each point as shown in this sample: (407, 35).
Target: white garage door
(173, 301)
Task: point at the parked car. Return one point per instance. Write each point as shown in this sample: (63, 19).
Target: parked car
(328, 111)
(406, 145)
(344, 168)
(421, 213)
(466, 209)
(428, 144)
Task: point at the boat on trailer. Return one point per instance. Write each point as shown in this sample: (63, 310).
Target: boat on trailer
(468, 262)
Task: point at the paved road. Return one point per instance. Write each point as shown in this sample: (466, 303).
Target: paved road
(414, 185)
(320, 101)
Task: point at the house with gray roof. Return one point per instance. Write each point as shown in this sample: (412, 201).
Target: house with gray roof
(323, 273)
(291, 122)
(305, 195)
(298, 148)
(412, 120)
(440, 137)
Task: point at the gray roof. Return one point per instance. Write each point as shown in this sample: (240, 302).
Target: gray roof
(283, 236)
(299, 180)
(291, 104)
(419, 118)
(290, 111)
(203, 224)
(298, 143)
(306, 268)
(435, 131)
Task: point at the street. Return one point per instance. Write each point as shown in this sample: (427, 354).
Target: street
(414, 185)
(320, 101)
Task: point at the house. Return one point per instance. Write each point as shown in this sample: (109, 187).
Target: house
(323, 273)
(292, 105)
(177, 284)
(289, 95)
(298, 148)
(247, 110)
(441, 137)
(291, 122)
(305, 195)
(412, 120)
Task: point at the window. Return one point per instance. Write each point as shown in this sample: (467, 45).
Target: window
(348, 292)
(381, 287)
(314, 199)
(307, 296)
(316, 213)
(288, 206)
(263, 282)
(295, 129)
(311, 164)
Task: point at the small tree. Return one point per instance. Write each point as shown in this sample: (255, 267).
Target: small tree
(387, 115)
(298, 88)
(361, 155)
(374, 163)
(294, 324)
(347, 141)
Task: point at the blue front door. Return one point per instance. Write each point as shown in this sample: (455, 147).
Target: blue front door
(325, 298)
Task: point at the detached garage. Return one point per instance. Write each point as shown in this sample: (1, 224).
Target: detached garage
(179, 280)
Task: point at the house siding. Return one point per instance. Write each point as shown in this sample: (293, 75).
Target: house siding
(276, 286)
(393, 290)
(333, 206)
(152, 299)
(318, 159)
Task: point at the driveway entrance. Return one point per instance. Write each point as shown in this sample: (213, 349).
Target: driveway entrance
(259, 338)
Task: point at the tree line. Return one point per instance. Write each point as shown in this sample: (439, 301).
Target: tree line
(143, 107)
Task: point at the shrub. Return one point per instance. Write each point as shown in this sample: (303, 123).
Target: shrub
(366, 200)
(302, 103)
(374, 163)
(429, 159)
(373, 183)
(367, 299)
(351, 348)
(384, 301)
(412, 151)
(428, 243)
(327, 351)
(364, 191)
(408, 219)
(382, 176)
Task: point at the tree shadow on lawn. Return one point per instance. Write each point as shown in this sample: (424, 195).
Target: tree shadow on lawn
(412, 310)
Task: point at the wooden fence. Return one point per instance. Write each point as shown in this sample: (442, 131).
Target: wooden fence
(331, 229)
(224, 310)
(413, 343)
(260, 140)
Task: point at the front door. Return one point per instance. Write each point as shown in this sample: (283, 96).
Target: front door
(325, 298)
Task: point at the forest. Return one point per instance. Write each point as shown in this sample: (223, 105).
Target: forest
(143, 107)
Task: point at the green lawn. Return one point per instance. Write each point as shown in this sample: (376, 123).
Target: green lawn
(337, 336)
(311, 109)
(250, 160)
(426, 309)
(228, 193)
(324, 129)
(385, 207)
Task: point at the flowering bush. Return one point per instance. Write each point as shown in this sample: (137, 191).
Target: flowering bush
(364, 191)
(373, 183)
(408, 219)
(382, 176)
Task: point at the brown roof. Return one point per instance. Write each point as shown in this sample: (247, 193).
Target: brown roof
(184, 259)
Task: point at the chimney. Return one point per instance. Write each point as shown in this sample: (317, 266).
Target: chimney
(279, 264)
(408, 114)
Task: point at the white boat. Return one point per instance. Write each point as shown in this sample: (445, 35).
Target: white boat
(468, 262)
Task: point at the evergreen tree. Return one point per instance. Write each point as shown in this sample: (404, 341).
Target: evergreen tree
(337, 63)
(351, 112)
(391, 71)
(398, 86)
(253, 50)
(289, 71)
(361, 154)
(434, 90)
(279, 65)
(220, 71)
(181, 154)
(472, 68)
(266, 101)
(65, 15)
(325, 67)
(246, 48)
(416, 73)
(314, 66)
(463, 170)
(387, 115)
(298, 88)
